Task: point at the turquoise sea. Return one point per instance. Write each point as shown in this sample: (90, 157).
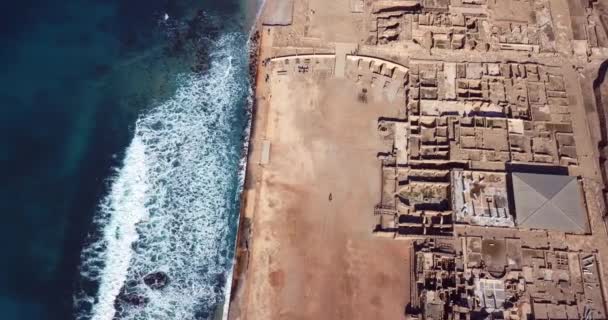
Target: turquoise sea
(122, 129)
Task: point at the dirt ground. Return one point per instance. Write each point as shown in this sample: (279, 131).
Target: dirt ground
(312, 257)
(311, 253)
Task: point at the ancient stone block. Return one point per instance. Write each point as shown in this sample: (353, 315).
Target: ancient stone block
(474, 70)
(493, 69)
(556, 83)
(428, 93)
(461, 69)
(458, 41)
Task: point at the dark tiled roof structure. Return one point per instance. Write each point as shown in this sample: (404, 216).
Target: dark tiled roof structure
(552, 202)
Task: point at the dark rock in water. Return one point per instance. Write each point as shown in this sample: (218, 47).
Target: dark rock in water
(127, 296)
(156, 280)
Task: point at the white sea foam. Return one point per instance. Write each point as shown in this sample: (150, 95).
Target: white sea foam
(173, 204)
(126, 207)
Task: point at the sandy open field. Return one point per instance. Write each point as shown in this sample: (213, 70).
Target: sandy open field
(312, 257)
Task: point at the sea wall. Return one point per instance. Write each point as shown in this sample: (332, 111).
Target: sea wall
(243, 227)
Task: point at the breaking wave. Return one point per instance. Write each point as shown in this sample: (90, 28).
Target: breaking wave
(173, 205)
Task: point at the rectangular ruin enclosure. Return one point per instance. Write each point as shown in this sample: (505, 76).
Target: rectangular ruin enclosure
(474, 278)
(469, 128)
(481, 198)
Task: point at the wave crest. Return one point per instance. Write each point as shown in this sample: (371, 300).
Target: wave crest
(172, 206)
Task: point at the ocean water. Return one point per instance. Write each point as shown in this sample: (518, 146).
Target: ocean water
(121, 143)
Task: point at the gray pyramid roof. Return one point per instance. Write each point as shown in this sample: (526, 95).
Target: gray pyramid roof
(545, 201)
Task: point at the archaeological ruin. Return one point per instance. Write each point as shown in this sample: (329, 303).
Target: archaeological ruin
(471, 133)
